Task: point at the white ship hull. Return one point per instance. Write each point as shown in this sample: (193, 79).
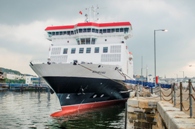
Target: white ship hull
(80, 70)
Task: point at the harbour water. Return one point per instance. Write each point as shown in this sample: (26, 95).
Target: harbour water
(28, 110)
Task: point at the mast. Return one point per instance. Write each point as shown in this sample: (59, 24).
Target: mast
(92, 14)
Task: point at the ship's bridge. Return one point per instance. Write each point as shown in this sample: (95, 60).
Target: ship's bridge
(89, 32)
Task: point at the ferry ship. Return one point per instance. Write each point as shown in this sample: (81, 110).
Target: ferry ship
(88, 64)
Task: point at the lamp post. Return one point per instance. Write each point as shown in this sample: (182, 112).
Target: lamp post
(155, 56)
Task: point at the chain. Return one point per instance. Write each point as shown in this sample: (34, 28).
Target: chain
(193, 97)
(167, 99)
(165, 89)
(167, 95)
(184, 108)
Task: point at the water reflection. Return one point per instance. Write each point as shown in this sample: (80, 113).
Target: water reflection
(32, 109)
(111, 117)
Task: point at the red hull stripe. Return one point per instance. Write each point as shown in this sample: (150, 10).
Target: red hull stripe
(88, 24)
(67, 110)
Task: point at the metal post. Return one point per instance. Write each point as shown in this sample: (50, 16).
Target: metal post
(154, 61)
(126, 115)
(190, 98)
(174, 94)
(137, 91)
(160, 92)
(181, 97)
(155, 56)
(141, 73)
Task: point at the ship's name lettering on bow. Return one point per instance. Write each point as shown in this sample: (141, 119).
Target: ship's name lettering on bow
(99, 72)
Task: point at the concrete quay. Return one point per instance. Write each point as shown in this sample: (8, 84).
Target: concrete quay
(152, 113)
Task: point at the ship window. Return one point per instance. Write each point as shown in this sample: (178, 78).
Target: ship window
(113, 30)
(65, 51)
(87, 40)
(80, 30)
(96, 30)
(82, 41)
(64, 32)
(73, 50)
(93, 41)
(108, 30)
(71, 32)
(121, 29)
(104, 30)
(88, 29)
(68, 32)
(57, 33)
(126, 30)
(81, 50)
(117, 30)
(77, 30)
(49, 34)
(88, 50)
(100, 31)
(96, 50)
(60, 32)
(93, 30)
(84, 30)
(105, 49)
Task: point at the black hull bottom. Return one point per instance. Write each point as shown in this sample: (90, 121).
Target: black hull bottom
(74, 90)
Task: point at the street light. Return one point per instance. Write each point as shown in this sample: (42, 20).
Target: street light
(155, 55)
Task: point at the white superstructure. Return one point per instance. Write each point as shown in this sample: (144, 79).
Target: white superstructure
(91, 43)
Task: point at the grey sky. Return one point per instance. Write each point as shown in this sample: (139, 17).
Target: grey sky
(22, 36)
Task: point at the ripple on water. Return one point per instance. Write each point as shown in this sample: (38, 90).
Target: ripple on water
(32, 110)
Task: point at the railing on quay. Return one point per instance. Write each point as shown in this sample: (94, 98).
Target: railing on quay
(169, 93)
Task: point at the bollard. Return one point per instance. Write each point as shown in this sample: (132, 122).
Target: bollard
(190, 98)
(181, 96)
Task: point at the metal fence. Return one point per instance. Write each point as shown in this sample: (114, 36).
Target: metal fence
(173, 93)
(176, 93)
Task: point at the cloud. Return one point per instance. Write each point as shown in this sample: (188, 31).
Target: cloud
(23, 35)
(15, 61)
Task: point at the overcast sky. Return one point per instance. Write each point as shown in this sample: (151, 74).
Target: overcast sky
(22, 37)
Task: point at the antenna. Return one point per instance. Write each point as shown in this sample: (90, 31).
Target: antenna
(91, 14)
